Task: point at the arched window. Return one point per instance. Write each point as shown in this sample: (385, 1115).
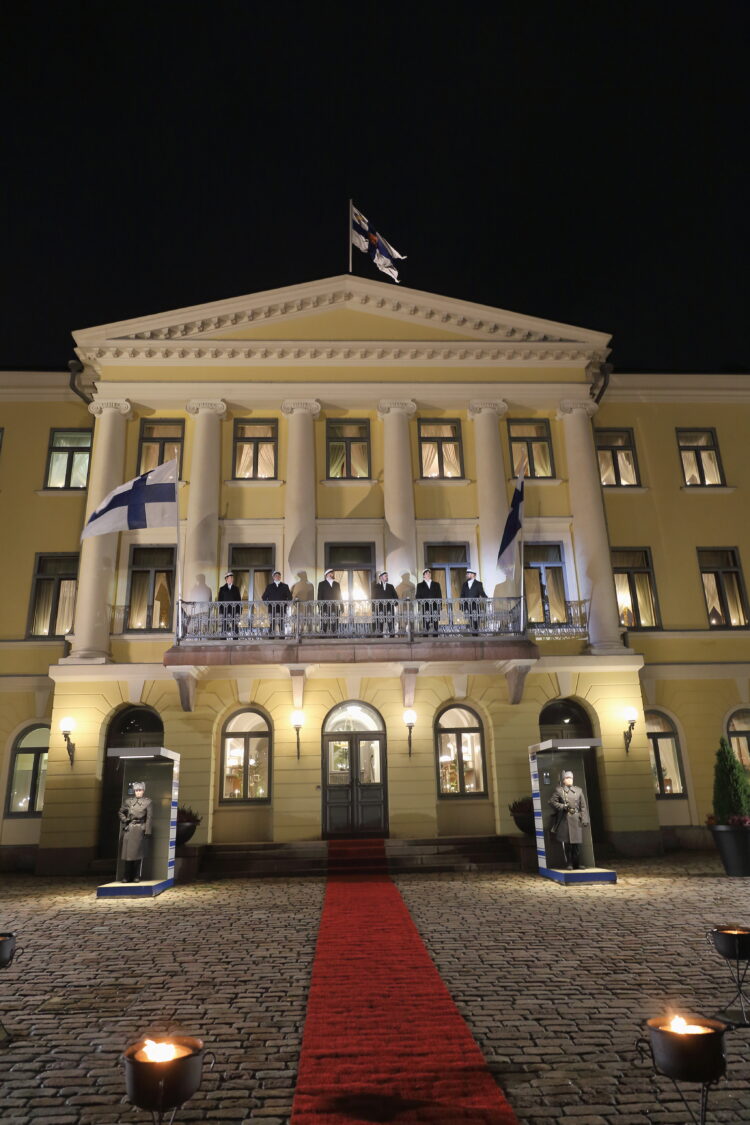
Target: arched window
(666, 760)
(738, 732)
(246, 758)
(459, 751)
(564, 718)
(349, 717)
(28, 772)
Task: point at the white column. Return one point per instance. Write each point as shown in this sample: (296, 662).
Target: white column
(492, 491)
(96, 568)
(590, 527)
(299, 507)
(398, 488)
(202, 534)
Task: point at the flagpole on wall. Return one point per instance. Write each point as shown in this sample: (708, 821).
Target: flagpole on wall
(349, 232)
(178, 553)
(523, 597)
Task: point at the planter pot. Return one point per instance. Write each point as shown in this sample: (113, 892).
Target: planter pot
(185, 831)
(734, 848)
(524, 822)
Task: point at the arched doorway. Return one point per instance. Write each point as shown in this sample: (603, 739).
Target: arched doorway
(355, 793)
(567, 720)
(133, 726)
(564, 718)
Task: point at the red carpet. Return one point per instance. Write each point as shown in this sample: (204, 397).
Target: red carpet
(383, 1040)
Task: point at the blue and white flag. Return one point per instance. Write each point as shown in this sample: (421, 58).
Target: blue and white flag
(148, 501)
(506, 558)
(366, 239)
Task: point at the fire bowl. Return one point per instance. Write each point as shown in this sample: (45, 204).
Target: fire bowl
(688, 1057)
(732, 942)
(7, 949)
(163, 1085)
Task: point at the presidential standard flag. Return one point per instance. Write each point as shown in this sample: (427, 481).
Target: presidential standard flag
(506, 558)
(148, 501)
(366, 239)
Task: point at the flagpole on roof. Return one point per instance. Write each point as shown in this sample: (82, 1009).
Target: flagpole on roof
(349, 232)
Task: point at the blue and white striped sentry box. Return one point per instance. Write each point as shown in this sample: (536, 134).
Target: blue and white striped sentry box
(558, 874)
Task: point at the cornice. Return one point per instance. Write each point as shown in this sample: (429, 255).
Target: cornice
(674, 387)
(36, 386)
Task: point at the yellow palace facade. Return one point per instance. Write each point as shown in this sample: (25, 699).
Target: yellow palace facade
(351, 425)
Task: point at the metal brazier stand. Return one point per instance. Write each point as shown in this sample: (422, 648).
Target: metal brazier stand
(163, 1086)
(733, 944)
(696, 1056)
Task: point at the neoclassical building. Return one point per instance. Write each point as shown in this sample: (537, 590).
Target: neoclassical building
(347, 424)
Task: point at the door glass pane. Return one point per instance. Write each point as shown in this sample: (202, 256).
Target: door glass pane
(80, 470)
(471, 754)
(670, 769)
(257, 767)
(626, 464)
(624, 601)
(458, 577)
(58, 466)
(41, 782)
(533, 590)
(606, 467)
(361, 585)
(448, 763)
(645, 598)
(339, 766)
(20, 791)
(162, 615)
(138, 613)
(234, 754)
(369, 762)
(556, 595)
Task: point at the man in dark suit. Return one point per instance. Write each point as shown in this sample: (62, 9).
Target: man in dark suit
(384, 598)
(230, 612)
(277, 594)
(430, 595)
(329, 591)
(471, 591)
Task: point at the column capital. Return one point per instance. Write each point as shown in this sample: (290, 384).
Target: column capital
(405, 406)
(301, 406)
(109, 405)
(487, 406)
(576, 406)
(206, 406)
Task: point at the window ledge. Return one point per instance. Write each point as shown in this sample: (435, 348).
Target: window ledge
(349, 480)
(537, 480)
(692, 634)
(144, 635)
(625, 488)
(271, 482)
(47, 642)
(708, 488)
(56, 491)
(443, 480)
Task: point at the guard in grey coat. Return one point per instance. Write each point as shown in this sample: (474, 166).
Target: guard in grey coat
(135, 816)
(571, 817)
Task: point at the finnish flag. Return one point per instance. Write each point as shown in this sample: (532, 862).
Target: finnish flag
(148, 501)
(506, 558)
(370, 242)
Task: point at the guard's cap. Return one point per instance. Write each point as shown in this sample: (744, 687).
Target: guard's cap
(470, 571)
(427, 570)
(329, 571)
(275, 573)
(383, 574)
(139, 784)
(567, 773)
(229, 574)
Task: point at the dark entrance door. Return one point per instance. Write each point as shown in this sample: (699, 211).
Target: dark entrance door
(354, 784)
(135, 726)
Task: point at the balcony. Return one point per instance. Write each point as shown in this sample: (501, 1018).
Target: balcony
(362, 631)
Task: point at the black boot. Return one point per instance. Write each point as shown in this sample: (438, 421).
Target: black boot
(577, 857)
(567, 855)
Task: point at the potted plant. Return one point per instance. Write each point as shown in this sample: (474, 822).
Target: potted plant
(187, 822)
(522, 812)
(730, 823)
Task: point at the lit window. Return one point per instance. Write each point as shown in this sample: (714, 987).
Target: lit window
(347, 449)
(666, 760)
(160, 442)
(531, 448)
(68, 459)
(738, 731)
(440, 453)
(28, 773)
(150, 603)
(255, 449)
(246, 758)
(699, 452)
(459, 747)
(354, 566)
(253, 568)
(53, 595)
(726, 604)
(618, 467)
(636, 591)
(544, 584)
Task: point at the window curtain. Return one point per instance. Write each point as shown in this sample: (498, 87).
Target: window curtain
(710, 467)
(266, 466)
(138, 611)
(624, 601)
(336, 459)
(65, 606)
(542, 459)
(558, 611)
(429, 459)
(243, 461)
(606, 467)
(162, 614)
(358, 451)
(451, 460)
(645, 599)
(471, 756)
(42, 607)
(626, 465)
(736, 609)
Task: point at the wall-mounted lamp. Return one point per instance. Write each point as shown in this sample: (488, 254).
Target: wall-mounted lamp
(298, 721)
(630, 717)
(67, 726)
(410, 718)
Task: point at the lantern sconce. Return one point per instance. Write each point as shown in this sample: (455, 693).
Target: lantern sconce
(67, 726)
(630, 717)
(298, 721)
(410, 718)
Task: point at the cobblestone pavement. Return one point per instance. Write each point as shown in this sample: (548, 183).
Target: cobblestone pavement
(554, 982)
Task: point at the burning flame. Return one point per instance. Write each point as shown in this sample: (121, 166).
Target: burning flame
(159, 1052)
(682, 1027)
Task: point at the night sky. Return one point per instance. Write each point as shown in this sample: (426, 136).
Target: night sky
(582, 162)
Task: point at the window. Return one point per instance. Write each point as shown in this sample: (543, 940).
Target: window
(440, 453)
(618, 466)
(256, 446)
(68, 459)
(636, 591)
(699, 451)
(160, 442)
(723, 588)
(666, 761)
(738, 732)
(253, 567)
(246, 758)
(531, 446)
(544, 584)
(28, 772)
(150, 603)
(448, 562)
(347, 449)
(53, 596)
(459, 745)
(354, 566)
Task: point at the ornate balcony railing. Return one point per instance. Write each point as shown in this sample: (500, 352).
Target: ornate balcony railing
(368, 620)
